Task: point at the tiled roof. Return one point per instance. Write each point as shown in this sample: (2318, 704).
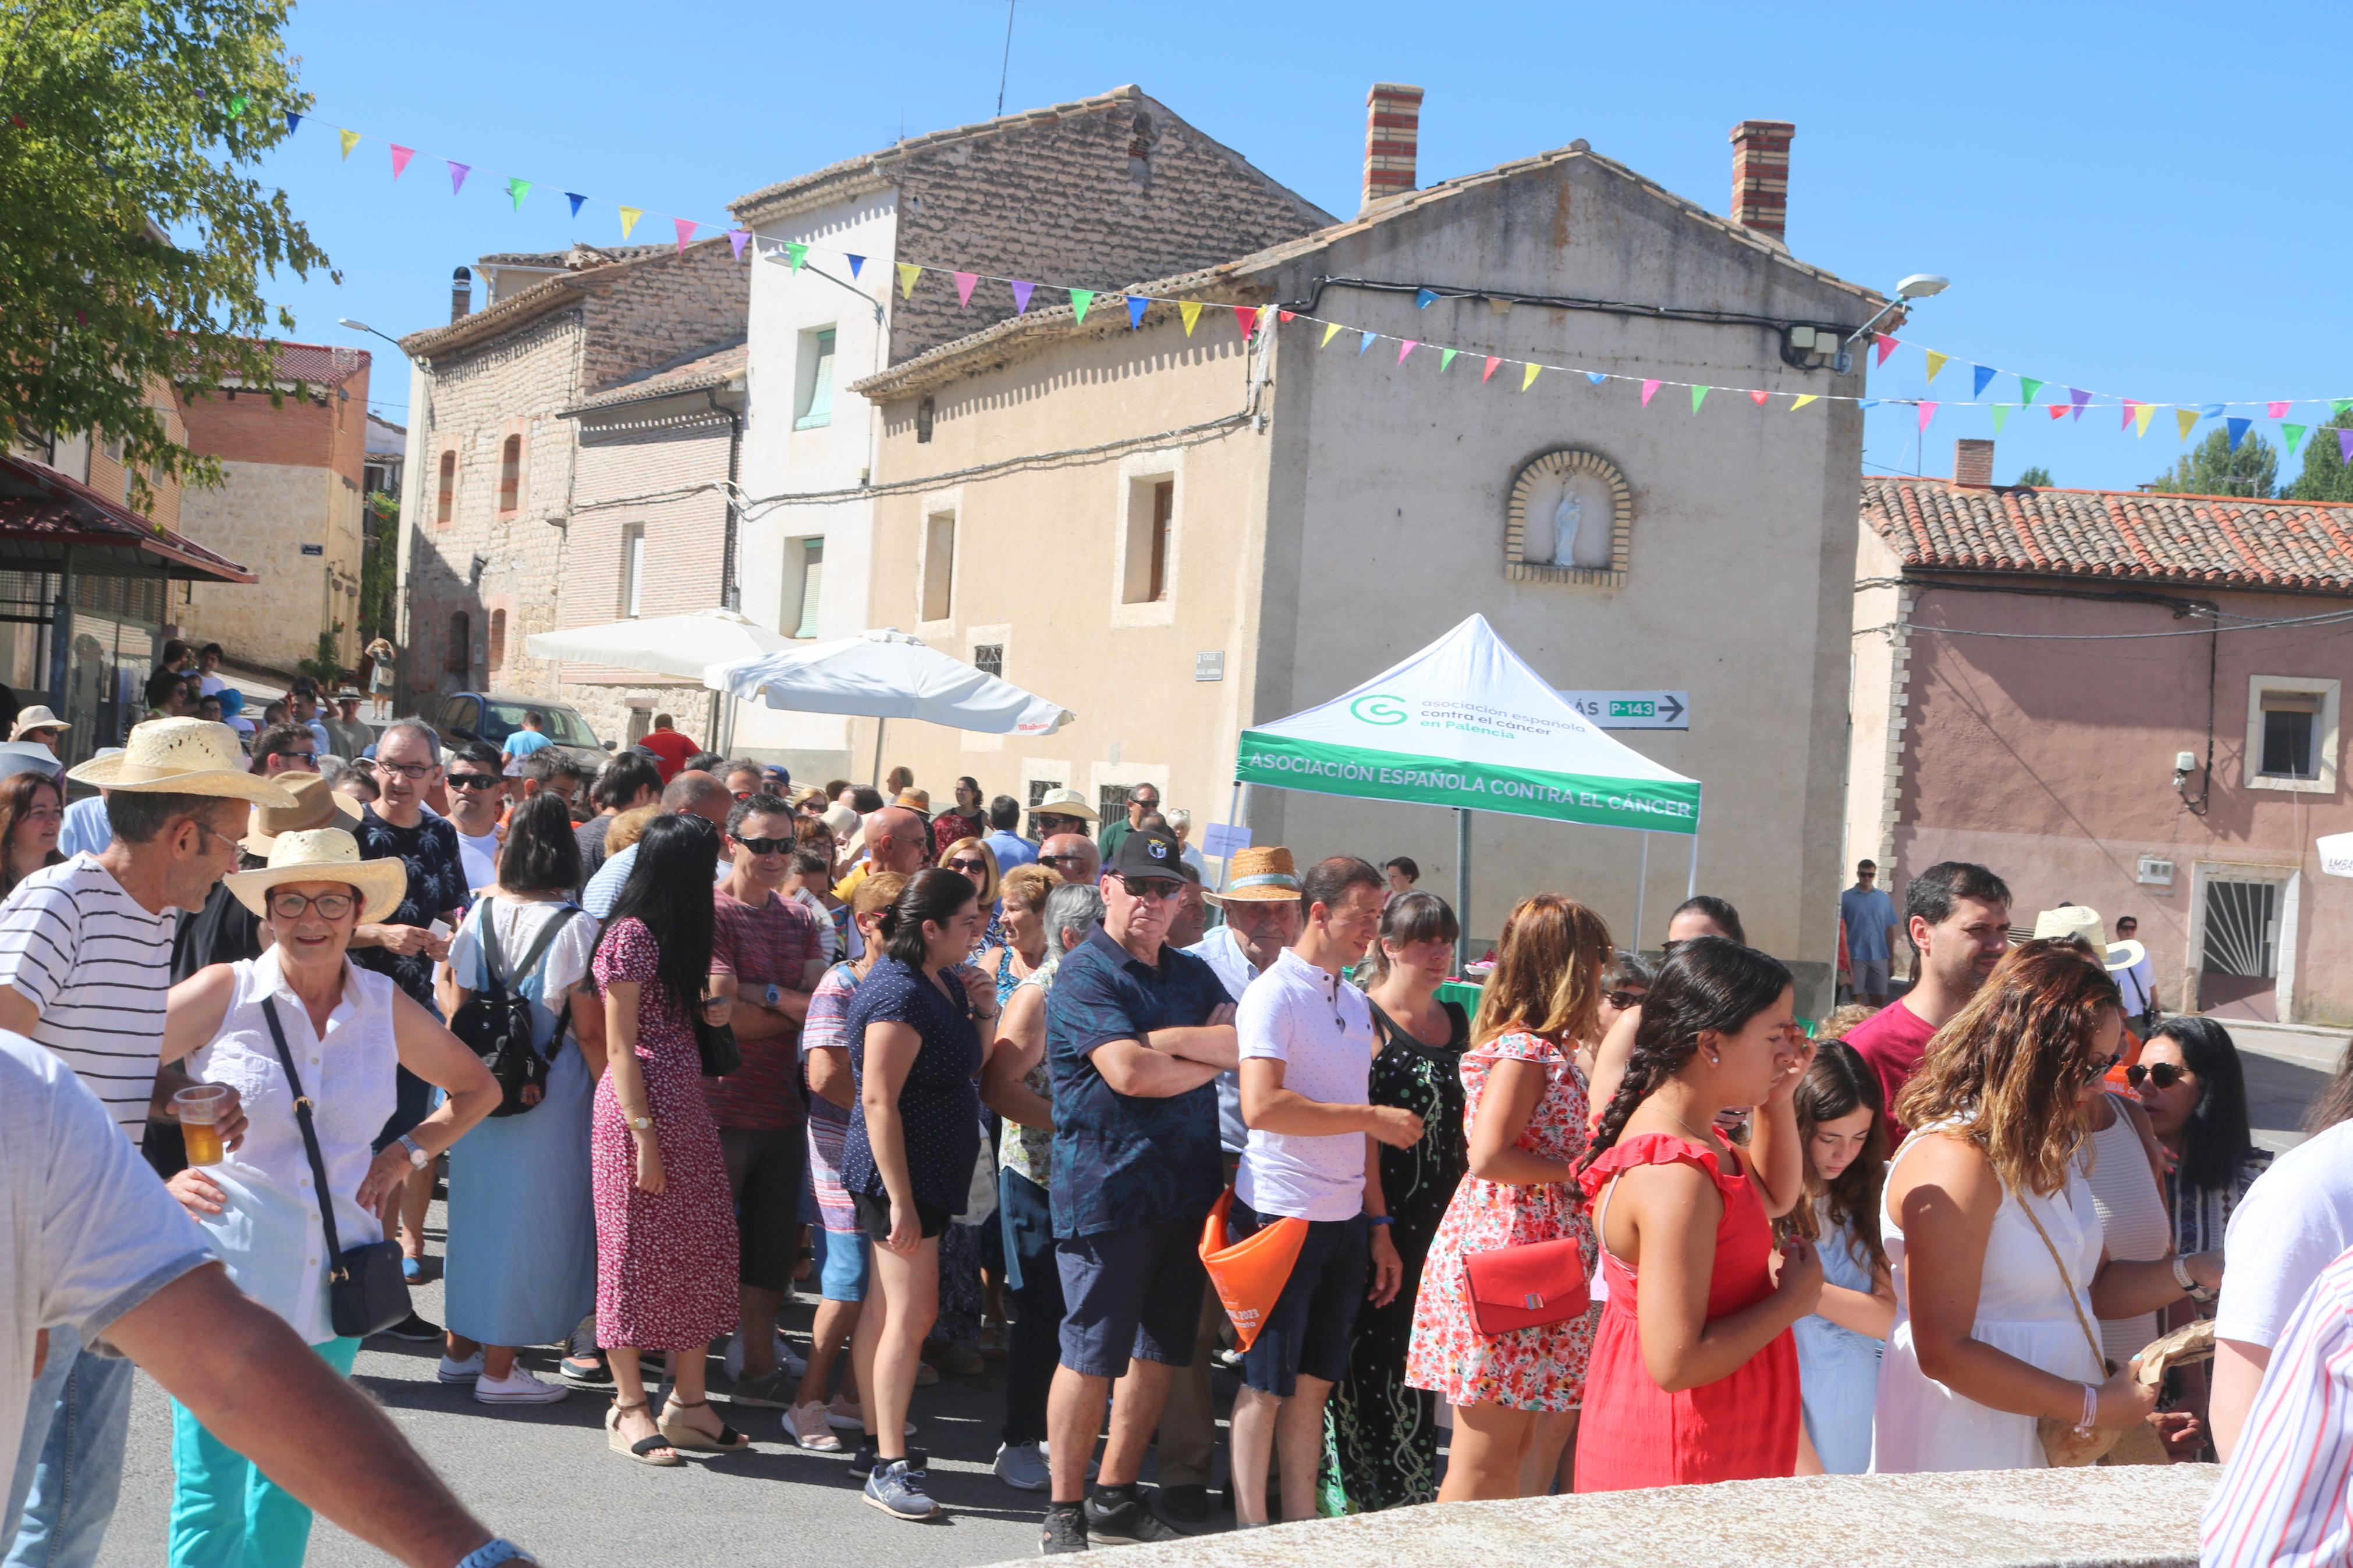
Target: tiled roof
(2129, 536)
(41, 511)
(317, 365)
(689, 372)
(567, 257)
(546, 295)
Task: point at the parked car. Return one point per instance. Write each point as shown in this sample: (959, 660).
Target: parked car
(493, 716)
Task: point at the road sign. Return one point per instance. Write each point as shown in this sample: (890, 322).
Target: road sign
(1633, 709)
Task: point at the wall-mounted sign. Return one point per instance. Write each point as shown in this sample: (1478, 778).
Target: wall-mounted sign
(314, 550)
(1632, 709)
(1209, 665)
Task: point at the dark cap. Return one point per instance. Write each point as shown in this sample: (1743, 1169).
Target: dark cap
(1149, 852)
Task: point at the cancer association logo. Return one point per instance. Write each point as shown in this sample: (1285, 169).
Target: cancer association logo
(1378, 709)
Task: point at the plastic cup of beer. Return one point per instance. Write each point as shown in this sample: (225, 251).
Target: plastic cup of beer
(199, 1110)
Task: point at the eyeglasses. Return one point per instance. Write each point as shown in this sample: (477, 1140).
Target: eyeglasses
(414, 772)
(299, 759)
(969, 867)
(1061, 859)
(767, 845)
(289, 906)
(2103, 1066)
(1157, 888)
(209, 830)
(475, 780)
(2165, 1075)
(1621, 1000)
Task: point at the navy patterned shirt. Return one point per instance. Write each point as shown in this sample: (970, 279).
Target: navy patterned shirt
(939, 1106)
(1127, 1161)
(437, 884)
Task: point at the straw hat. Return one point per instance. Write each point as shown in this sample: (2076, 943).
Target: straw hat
(2075, 921)
(841, 819)
(1066, 803)
(36, 717)
(916, 800)
(324, 855)
(317, 803)
(182, 756)
(1259, 876)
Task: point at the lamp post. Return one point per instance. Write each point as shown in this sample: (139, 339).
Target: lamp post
(1918, 286)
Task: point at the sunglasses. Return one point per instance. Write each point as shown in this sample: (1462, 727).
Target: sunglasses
(299, 759)
(969, 867)
(1061, 859)
(1621, 1000)
(1152, 887)
(475, 780)
(2165, 1075)
(768, 846)
(2103, 1066)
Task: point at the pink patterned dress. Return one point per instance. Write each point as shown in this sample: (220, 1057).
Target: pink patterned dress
(666, 1264)
(1527, 1368)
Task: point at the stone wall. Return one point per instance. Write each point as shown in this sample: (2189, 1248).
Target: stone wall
(261, 517)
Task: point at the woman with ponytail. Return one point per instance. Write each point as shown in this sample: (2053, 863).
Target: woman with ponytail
(1515, 1395)
(1694, 1376)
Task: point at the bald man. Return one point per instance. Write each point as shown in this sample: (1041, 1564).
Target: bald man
(691, 793)
(895, 839)
(1073, 856)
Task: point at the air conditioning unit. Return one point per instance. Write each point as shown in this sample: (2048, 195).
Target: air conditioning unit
(2155, 871)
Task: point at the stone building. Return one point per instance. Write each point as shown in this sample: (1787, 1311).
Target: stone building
(2032, 669)
(488, 491)
(289, 507)
(1241, 529)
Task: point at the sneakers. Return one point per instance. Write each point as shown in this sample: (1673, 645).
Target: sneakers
(810, 1426)
(588, 1371)
(898, 1491)
(415, 1329)
(786, 1359)
(459, 1371)
(1120, 1516)
(1022, 1467)
(862, 1463)
(843, 1416)
(518, 1387)
(774, 1392)
(1066, 1530)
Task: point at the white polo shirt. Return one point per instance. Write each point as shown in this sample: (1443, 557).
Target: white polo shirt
(1321, 1028)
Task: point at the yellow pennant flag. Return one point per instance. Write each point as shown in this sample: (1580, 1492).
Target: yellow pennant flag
(1530, 379)
(629, 217)
(908, 273)
(2185, 418)
(350, 140)
(1803, 399)
(2140, 418)
(1330, 332)
(1935, 362)
(1191, 311)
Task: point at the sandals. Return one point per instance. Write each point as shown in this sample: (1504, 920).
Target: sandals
(642, 1450)
(681, 1435)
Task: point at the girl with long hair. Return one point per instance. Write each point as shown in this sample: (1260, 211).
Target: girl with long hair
(1524, 1129)
(31, 815)
(1843, 1127)
(1694, 1372)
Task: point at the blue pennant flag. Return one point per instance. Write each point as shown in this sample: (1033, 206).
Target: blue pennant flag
(2237, 431)
(294, 122)
(1366, 343)
(1426, 298)
(575, 198)
(1135, 306)
(1985, 373)
(1868, 403)
(855, 263)
(2215, 411)
(1596, 376)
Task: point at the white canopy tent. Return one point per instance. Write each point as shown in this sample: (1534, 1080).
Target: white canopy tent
(2336, 854)
(1465, 723)
(664, 645)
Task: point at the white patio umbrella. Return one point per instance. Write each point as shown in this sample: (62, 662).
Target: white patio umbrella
(663, 645)
(887, 674)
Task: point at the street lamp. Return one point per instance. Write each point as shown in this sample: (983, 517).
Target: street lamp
(363, 327)
(1918, 286)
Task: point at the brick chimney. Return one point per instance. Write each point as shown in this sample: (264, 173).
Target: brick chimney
(1392, 135)
(1973, 463)
(461, 293)
(1760, 175)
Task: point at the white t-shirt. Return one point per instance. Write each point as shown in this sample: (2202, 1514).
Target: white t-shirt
(479, 858)
(87, 1232)
(2294, 1222)
(98, 965)
(1321, 1028)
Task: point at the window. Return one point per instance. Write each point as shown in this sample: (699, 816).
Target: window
(939, 564)
(633, 568)
(1151, 508)
(813, 401)
(497, 657)
(2292, 733)
(1111, 802)
(988, 658)
(453, 656)
(511, 474)
(446, 498)
(804, 577)
(926, 413)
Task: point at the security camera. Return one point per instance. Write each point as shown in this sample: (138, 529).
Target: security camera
(2185, 762)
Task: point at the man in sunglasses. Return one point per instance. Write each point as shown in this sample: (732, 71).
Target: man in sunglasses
(1071, 856)
(285, 748)
(477, 794)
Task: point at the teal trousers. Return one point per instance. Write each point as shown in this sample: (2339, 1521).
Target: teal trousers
(224, 1512)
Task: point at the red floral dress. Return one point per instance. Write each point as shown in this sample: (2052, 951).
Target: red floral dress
(1527, 1369)
(666, 1264)
(1743, 1427)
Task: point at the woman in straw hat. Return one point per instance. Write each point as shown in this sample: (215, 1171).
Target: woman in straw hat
(344, 1030)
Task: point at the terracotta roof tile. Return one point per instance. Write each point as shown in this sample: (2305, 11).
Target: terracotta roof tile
(43, 508)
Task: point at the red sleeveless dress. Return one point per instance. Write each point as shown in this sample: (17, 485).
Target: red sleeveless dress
(1633, 1432)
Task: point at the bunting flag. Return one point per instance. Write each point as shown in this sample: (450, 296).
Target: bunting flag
(1699, 395)
(1982, 374)
(2337, 406)
(1886, 345)
(795, 254)
(2275, 410)
(1758, 398)
(908, 273)
(2027, 387)
(1595, 378)
(1080, 299)
(294, 122)
(2077, 397)
(963, 283)
(350, 140)
(1530, 378)
(458, 172)
(1246, 317)
(400, 157)
(1136, 305)
(1935, 362)
(2212, 411)
(738, 238)
(237, 105)
(2130, 407)
(517, 188)
(629, 217)
(1492, 362)
(2140, 419)
(1192, 312)
(1286, 317)
(685, 227)
(2001, 413)
(2058, 410)
(1927, 412)
(575, 198)
(2185, 419)
(1407, 347)
(2292, 433)
(1446, 358)
(1804, 398)
(1021, 292)
(2237, 431)
(1366, 341)
(2344, 445)
(1649, 390)
(1425, 298)
(1330, 331)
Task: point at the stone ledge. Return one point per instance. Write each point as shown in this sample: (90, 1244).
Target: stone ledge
(2123, 1518)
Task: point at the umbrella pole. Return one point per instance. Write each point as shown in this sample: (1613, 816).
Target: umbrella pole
(1461, 889)
(1233, 818)
(878, 756)
(1691, 878)
(1641, 886)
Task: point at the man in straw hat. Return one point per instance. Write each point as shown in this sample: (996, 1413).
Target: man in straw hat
(1061, 811)
(85, 961)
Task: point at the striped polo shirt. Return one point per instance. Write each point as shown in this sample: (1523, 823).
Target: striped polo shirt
(98, 965)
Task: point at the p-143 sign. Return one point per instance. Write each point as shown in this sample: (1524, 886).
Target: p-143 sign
(1632, 709)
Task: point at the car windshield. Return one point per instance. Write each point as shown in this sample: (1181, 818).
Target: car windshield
(561, 725)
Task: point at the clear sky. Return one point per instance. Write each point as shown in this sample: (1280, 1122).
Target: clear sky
(2146, 201)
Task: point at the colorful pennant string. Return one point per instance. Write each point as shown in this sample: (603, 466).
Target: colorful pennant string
(1699, 395)
(400, 157)
(1446, 358)
(1366, 341)
(1886, 346)
(1190, 312)
(685, 227)
(1021, 292)
(629, 217)
(1247, 315)
(908, 273)
(1927, 412)
(1758, 397)
(516, 190)
(1651, 389)
(1493, 361)
(1982, 374)
(1804, 398)
(351, 138)
(1935, 362)
(575, 198)
(1136, 305)
(1330, 331)
(2185, 419)
(458, 172)
(1530, 378)
(2237, 431)
(1406, 348)
(965, 282)
(2292, 434)
(737, 238)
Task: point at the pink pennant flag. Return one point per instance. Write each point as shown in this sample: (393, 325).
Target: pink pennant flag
(2130, 407)
(458, 172)
(1407, 347)
(1886, 345)
(1288, 316)
(686, 227)
(2059, 411)
(1493, 361)
(1758, 398)
(400, 157)
(739, 237)
(1246, 317)
(1650, 388)
(963, 281)
(1021, 292)
(2276, 410)
(1927, 412)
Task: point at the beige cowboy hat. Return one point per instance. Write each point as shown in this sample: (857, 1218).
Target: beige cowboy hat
(1066, 803)
(182, 756)
(1259, 876)
(916, 800)
(324, 855)
(842, 820)
(2075, 921)
(36, 717)
(317, 803)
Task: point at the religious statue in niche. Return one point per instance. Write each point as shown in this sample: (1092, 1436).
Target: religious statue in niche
(1569, 519)
(1566, 517)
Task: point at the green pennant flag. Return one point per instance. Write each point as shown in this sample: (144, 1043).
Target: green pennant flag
(1080, 299)
(795, 253)
(2027, 387)
(1699, 395)
(2340, 404)
(237, 105)
(2001, 413)
(517, 189)
(1445, 358)
(2294, 433)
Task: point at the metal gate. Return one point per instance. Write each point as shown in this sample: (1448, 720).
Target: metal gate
(2241, 929)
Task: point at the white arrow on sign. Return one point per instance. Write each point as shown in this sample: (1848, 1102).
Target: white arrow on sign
(1633, 709)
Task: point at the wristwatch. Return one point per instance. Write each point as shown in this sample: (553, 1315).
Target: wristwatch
(493, 1553)
(2189, 1287)
(418, 1158)
(772, 993)
(641, 1123)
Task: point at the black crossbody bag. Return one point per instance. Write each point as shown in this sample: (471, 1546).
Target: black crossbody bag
(366, 1292)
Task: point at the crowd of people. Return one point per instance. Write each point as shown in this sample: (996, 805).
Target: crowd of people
(691, 1041)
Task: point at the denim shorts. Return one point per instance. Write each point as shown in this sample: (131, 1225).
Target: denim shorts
(1309, 1327)
(1133, 1293)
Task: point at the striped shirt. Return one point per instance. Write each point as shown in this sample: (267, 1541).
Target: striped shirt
(2283, 1498)
(98, 965)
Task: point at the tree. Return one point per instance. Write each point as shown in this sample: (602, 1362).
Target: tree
(2326, 475)
(377, 560)
(2036, 478)
(2212, 469)
(135, 244)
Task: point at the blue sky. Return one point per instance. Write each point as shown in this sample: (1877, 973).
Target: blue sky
(2146, 201)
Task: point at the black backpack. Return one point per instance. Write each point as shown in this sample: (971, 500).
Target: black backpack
(495, 1024)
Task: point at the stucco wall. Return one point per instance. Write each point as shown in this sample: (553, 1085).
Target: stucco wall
(261, 516)
(1878, 658)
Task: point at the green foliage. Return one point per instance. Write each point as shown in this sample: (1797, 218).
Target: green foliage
(2326, 475)
(323, 666)
(136, 245)
(2038, 477)
(378, 565)
(2212, 469)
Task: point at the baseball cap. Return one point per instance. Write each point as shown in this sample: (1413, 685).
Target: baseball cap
(1148, 852)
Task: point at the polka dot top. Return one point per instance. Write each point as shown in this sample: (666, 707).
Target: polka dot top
(939, 1105)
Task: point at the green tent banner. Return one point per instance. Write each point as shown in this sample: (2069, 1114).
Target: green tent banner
(1594, 799)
